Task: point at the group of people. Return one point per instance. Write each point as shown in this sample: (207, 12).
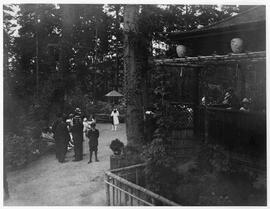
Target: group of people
(71, 132)
(231, 101)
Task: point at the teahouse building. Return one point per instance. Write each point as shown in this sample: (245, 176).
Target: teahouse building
(224, 58)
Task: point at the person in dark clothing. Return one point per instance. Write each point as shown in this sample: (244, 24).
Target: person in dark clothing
(61, 139)
(54, 125)
(56, 122)
(77, 133)
(93, 135)
(149, 124)
(231, 100)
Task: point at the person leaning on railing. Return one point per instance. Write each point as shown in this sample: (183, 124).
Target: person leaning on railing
(245, 105)
(231, 100)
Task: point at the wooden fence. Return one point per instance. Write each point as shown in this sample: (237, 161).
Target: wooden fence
(238, 131)
(124, 188)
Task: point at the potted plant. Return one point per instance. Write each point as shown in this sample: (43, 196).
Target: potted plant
(117, 147)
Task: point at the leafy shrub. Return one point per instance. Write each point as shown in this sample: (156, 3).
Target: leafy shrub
(19, 150)
(214, 158)
(216, 181)
(161, 172)
(84, 101)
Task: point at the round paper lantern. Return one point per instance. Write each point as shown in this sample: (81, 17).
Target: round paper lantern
(237, 45)
(181, 50)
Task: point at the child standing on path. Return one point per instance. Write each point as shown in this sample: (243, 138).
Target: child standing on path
(115, 120)
(93, 135)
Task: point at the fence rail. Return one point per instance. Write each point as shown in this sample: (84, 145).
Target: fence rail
(240, 132)
(123, 188)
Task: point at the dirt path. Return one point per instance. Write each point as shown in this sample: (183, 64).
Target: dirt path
(46, 182)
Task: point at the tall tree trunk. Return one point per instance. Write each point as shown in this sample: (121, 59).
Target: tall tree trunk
(117, 9)
(133, 71)
(65, 47)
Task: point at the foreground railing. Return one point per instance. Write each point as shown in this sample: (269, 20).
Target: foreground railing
(123, 188)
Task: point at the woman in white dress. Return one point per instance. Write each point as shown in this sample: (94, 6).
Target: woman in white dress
(85, 128)
(115, 120)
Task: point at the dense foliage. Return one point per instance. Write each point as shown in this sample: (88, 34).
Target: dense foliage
(208, 178)
(161, 173)
(57, 57)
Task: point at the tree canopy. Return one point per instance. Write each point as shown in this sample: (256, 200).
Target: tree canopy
(67, 48)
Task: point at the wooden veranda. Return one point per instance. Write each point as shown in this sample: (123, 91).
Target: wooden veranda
(241, 133)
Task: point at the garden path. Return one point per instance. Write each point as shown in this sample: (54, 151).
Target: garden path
(45, 182)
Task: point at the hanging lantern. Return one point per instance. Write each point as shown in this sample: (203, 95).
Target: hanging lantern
(200, 26)
(237, 45)
(181, 50)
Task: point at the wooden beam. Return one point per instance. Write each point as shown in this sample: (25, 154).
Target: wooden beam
(199, 61)
(179, 65)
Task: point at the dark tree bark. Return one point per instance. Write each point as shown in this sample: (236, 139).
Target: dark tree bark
(117, 7)
(65, 47)
(133, 76)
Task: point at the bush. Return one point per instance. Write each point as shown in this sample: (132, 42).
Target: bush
(161, 172)
(84, 101)
(19, 150)
(214, 181)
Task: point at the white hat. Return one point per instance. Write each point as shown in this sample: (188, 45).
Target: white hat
(77, 110)
(245, 100)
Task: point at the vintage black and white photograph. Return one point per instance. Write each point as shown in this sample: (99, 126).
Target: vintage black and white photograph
(134, 104)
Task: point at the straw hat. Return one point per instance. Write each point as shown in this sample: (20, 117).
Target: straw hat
(245, 100)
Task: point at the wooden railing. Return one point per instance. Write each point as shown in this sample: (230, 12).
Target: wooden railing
(123, 188)
(238, 131)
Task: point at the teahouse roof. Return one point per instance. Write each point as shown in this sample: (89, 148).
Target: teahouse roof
(254, 16)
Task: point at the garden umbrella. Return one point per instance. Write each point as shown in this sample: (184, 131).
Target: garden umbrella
(114, 94)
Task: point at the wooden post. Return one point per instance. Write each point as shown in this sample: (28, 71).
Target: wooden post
(196, 99)
(126, 196)
(153, 201)
(137, 177)
(108, 191)
(117, 190)
(131, 198)
(120, 194)
(113, 195)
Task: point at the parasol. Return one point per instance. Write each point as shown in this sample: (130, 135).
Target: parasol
(113, 94)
